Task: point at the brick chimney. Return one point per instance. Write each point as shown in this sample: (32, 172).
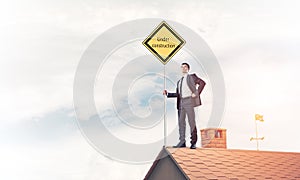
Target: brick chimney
(213, 138)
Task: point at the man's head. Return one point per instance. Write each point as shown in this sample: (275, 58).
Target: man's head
(185, 67)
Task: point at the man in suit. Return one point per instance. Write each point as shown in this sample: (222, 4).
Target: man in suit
(188, 97)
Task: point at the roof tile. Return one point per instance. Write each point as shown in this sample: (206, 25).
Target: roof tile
(212, 163)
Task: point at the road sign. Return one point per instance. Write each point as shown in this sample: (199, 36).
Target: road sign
(164, 42)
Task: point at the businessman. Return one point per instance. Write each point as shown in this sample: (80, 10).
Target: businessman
(188, 97)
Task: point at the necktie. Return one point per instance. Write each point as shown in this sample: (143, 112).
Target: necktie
(181, 86)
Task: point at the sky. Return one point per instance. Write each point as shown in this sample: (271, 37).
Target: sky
(255, 42)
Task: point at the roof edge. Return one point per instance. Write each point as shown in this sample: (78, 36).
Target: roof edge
(154, 164)
(159, 157)
(177, 165)
(250, 150)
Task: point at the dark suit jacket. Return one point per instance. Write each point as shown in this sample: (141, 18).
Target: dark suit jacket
(192, 81)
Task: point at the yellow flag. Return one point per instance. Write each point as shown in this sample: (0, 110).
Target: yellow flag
(259, 117)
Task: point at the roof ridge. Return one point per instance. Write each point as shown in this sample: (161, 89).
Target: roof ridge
(243, 150)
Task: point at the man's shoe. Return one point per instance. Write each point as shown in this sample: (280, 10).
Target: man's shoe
(179, 145)
(193, 146)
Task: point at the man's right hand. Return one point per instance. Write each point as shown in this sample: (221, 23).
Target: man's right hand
(165, 92)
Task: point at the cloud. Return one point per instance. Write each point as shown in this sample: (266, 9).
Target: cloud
(67, 158)
(265, 73)
(53, 126)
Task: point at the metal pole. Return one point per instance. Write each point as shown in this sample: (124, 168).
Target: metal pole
(165, 110)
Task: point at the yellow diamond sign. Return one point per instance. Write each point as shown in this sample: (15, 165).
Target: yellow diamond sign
(164, 42)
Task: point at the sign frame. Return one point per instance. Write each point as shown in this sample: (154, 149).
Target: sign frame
(154, 52)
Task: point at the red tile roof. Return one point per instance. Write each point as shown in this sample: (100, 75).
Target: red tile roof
(211, 163)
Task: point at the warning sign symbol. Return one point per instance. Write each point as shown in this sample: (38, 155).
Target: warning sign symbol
(164, 42)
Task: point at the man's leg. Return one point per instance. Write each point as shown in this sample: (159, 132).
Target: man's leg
(191, 118)
(182, 125)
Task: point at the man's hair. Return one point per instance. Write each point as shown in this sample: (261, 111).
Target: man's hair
(186, 65)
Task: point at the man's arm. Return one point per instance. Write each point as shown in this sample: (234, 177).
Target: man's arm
(169, 95)
(192, 86)
(201, 85)
(200, 82)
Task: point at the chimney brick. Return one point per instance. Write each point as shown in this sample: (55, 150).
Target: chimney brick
(213, 138)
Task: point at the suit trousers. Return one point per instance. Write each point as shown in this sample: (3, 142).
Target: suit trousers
(187, 109)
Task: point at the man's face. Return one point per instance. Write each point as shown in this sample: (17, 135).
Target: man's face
(184, 68)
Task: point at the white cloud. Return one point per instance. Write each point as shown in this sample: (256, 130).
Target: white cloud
(70, 158)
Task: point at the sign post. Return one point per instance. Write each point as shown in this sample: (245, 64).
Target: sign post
(164, 43)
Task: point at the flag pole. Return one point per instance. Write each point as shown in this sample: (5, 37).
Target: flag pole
(257, 118)
(165, 110)
(256, 135)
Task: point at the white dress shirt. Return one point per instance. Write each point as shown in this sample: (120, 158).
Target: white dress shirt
(186, 92)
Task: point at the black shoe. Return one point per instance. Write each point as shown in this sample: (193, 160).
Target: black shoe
(193, 146)
(179, 145)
